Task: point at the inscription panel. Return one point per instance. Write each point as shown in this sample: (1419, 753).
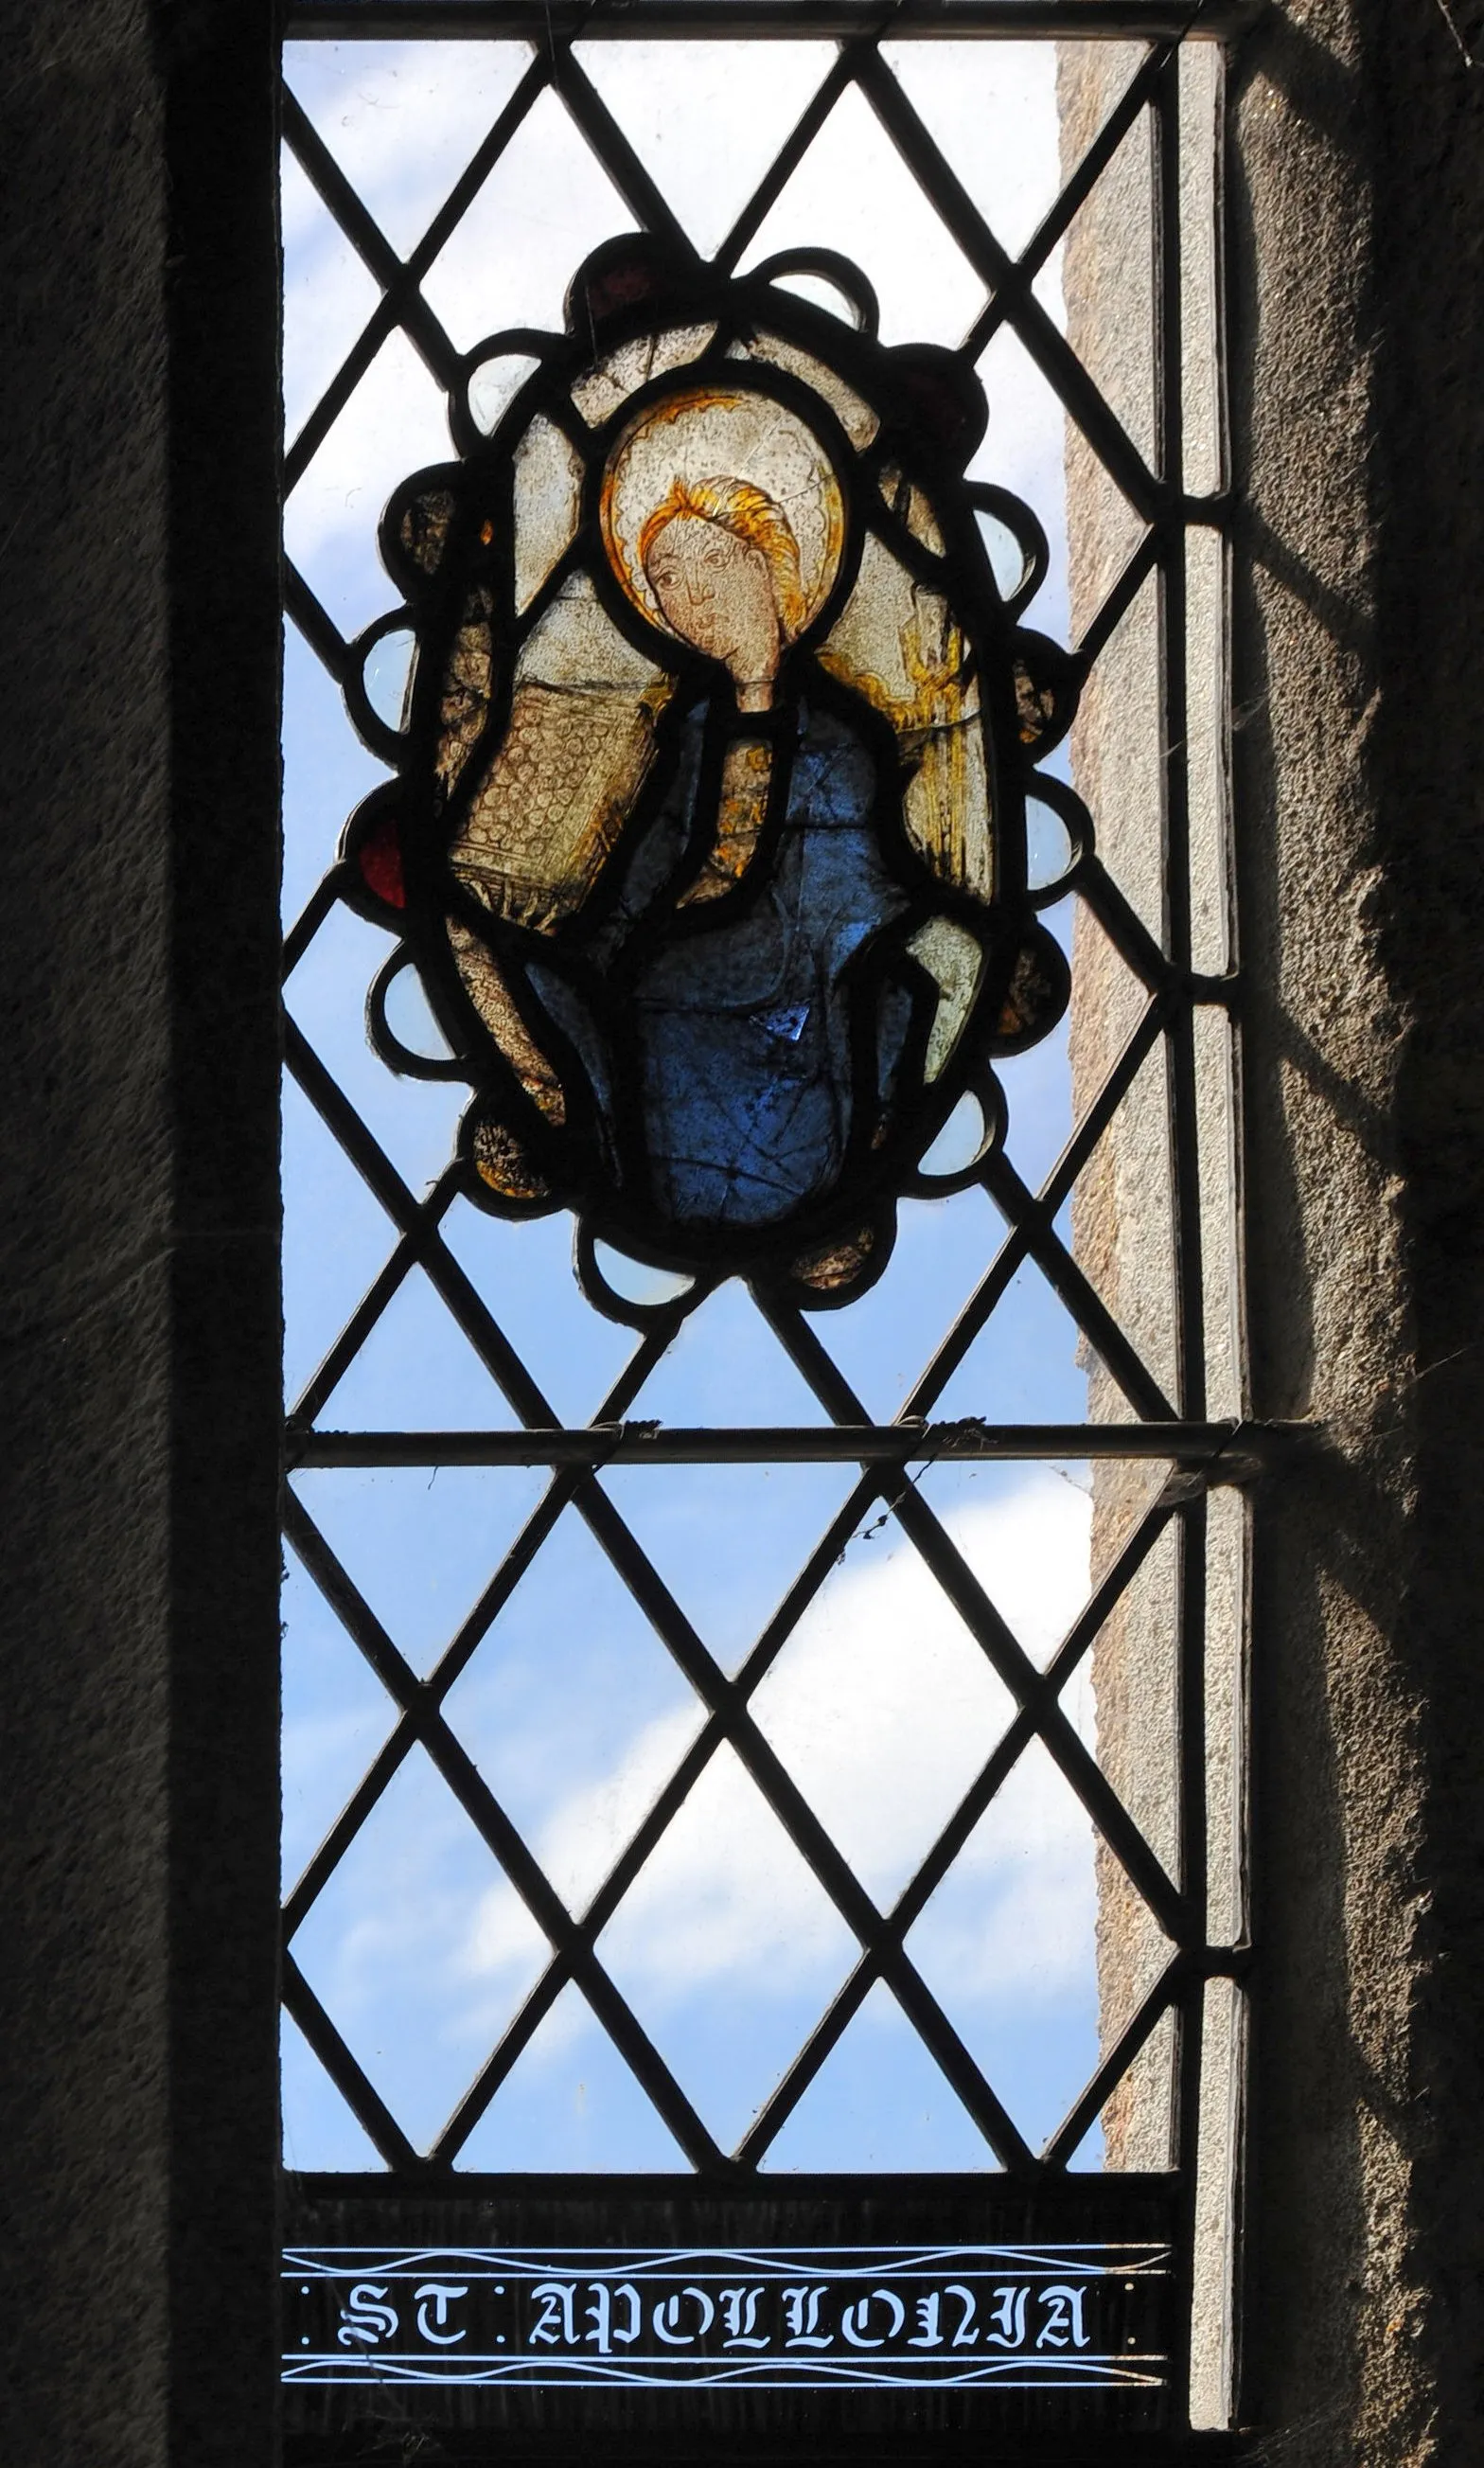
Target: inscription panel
(1016, 2316)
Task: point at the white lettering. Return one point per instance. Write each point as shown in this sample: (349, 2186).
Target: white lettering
(739, 2312)
(668, 2317)
(1064, 2323)
(365, 2319)
(801, 2311)
(554, 2323)
(1008, 2311)
(854, 2320)
(438, 2294)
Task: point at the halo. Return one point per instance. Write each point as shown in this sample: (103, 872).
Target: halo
(705, 433)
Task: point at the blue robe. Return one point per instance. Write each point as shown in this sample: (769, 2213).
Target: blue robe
(743, 1022)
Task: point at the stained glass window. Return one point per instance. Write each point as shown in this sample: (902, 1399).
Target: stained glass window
(764, 1921)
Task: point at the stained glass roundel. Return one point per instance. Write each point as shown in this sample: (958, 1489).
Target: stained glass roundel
(708, 835)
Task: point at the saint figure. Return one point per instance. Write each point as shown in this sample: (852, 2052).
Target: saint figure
(761, 1043)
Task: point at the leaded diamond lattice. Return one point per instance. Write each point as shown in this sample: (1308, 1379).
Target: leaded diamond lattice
(578, 1451)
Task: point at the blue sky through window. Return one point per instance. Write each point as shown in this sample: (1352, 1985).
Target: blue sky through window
(881, 1706)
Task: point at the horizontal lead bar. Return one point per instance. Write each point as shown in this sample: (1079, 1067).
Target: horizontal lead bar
(1241, 1448)
(1106, 20)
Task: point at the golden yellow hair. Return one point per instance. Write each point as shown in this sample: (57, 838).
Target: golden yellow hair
(749, 513)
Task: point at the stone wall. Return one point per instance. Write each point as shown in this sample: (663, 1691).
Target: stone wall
(1358, 194)
(1355, 175)
(137, 1798)
(1121, 1219)
(1123, 1211)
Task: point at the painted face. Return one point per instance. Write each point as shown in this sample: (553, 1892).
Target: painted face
(715, 591)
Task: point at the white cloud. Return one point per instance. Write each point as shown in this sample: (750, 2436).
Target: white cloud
(883, 1709)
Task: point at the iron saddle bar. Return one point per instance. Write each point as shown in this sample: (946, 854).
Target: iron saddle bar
(1224, 1453)
(543, 21)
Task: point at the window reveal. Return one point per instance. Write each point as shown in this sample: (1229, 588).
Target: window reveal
(740, 524)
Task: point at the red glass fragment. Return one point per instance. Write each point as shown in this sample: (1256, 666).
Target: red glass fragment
(380, 858)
